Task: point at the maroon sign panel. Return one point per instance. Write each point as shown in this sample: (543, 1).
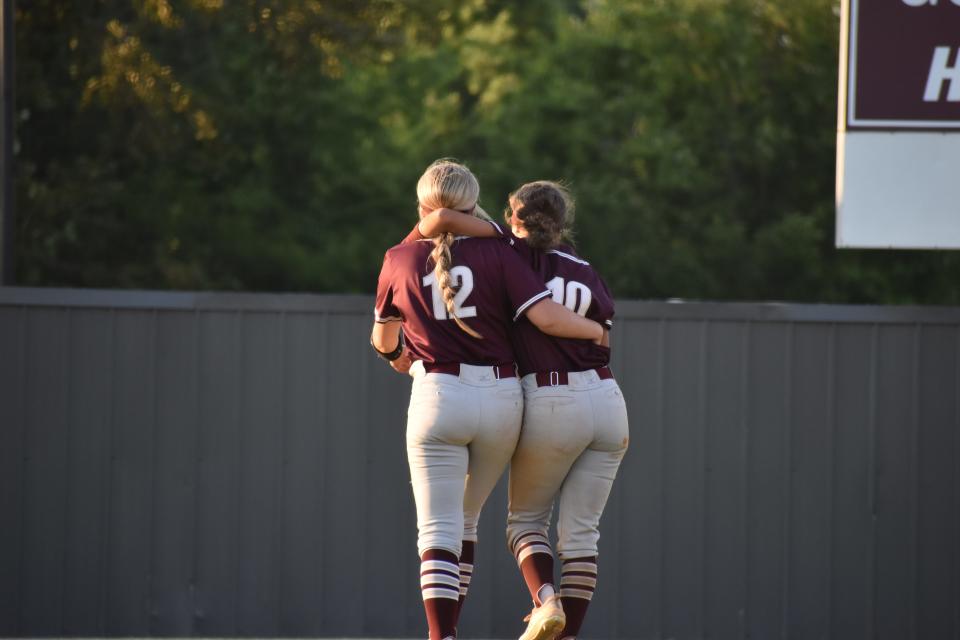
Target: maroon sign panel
(904, 64)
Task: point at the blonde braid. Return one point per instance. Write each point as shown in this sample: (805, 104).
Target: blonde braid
(442, 258)
(447, 183)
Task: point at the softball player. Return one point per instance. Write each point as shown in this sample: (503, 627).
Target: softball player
(575, 431)
(455, 303)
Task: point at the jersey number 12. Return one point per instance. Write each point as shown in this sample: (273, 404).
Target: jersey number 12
(462, 277)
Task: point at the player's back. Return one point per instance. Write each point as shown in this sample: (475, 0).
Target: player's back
(490, 292)
(573, 282)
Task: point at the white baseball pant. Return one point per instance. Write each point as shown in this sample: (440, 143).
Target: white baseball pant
(573, 439)
(461, 432)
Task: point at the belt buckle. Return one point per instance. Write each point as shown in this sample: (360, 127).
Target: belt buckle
(554, 378)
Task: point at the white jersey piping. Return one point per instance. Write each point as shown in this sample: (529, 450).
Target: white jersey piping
(569, 257)
(525, 305)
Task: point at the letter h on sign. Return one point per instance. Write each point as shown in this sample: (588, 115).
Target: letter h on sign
(940, 72)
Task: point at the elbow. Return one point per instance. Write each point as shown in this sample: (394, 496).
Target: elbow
(545, 322)
(376, 340)
(543, 316)
(548, 326)
(440, 221)
(434, 223)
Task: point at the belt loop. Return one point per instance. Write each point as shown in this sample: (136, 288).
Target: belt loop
(554, 379)
(496, 371)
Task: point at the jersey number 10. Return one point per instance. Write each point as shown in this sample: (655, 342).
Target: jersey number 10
(462, 277)
(575, 295)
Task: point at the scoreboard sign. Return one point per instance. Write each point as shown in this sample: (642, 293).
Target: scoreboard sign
(904, 64)
(898, 125)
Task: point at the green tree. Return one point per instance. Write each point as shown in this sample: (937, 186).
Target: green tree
(275, 144)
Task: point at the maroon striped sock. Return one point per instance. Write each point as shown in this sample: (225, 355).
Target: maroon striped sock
(577, 581)
(440, 587)
(535, 559)
(466, 571)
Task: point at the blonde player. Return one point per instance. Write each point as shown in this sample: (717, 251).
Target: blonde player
(455, 301)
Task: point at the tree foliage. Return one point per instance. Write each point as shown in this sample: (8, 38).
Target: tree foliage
(275, 144)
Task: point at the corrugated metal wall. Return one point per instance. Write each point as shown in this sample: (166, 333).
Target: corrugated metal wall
(233, 465)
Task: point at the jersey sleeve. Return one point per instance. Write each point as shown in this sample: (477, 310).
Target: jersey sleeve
(523, 286)
(384, 309)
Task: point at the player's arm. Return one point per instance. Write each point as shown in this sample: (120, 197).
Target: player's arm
(442, 221)
(385, 337)
(558, 321)
(388, 342)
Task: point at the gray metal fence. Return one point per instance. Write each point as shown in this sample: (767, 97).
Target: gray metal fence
(177, 464)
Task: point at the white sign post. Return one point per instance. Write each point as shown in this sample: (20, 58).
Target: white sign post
(898, 125)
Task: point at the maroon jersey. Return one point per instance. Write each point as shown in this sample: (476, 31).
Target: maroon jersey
(576, 285)
(494, 288)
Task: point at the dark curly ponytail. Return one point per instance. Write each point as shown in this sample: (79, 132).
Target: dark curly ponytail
(546, 209)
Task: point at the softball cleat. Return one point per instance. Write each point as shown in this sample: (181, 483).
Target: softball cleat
(545, 621)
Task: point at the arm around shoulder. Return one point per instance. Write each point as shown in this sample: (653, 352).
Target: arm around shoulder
(450, 221)
(558, 321)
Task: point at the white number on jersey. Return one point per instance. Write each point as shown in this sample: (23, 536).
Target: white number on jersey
(462, 277)
(575, 295)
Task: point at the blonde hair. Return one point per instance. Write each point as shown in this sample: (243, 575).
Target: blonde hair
(449, 184)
